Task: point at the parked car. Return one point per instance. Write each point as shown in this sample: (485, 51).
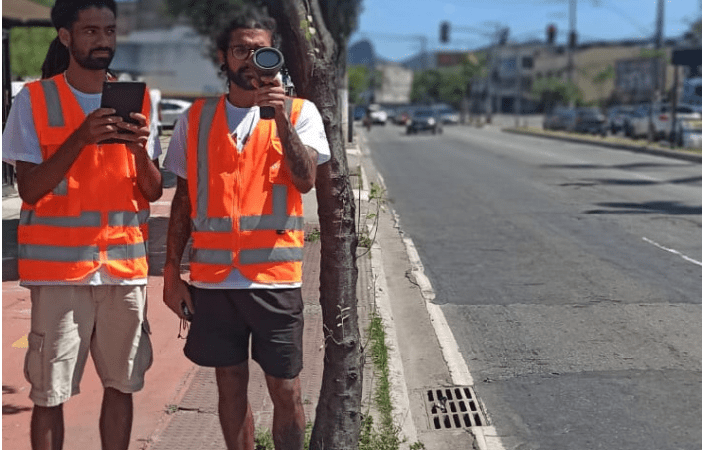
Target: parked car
(661, 119)
(687, 118)
(637, 122)
(171, 110)
(449, 116)
(560, 118)
(424, 119)
(589, 120)
(618, 118)
(688, 133)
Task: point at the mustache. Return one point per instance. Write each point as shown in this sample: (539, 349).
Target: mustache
(103, 49)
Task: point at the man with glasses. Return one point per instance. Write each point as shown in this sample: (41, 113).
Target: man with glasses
(238, 195)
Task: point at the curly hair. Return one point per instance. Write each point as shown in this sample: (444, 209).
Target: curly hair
(248, 17)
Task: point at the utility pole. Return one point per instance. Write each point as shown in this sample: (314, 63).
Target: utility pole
(571, 40)
(424, 50)
(655, 96)
(519, 82)
(496, 40)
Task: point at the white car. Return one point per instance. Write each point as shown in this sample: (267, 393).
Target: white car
(639, 124)
(688, 133)
(449, 116)
(377, 114)
(170, 110)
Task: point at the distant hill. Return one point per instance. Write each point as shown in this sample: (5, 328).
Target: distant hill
(360, 53)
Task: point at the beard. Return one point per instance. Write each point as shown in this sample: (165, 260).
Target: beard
(240, 78)
(90, 62)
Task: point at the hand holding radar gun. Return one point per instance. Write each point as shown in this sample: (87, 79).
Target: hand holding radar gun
(267, 61)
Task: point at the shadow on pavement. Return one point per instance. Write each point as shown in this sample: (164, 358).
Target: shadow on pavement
(9, 250)
(674, 208)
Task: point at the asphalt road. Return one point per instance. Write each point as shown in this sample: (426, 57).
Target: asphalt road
(570, 276)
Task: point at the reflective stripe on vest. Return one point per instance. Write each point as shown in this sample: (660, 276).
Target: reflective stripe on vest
(278, 219)
(86, 219)
(53, 103)
(55, 115)
(58, 253)
(206, 120)
(254, 256)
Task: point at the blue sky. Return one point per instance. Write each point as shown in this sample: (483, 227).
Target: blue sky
(395, 27)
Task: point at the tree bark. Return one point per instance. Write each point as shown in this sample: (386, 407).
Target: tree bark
(316, 63)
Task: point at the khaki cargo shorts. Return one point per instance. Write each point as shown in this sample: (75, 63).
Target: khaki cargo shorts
(68, 322)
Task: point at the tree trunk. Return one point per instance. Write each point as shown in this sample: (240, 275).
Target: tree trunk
(316, 64)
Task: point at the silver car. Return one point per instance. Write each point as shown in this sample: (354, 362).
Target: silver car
(170, 110)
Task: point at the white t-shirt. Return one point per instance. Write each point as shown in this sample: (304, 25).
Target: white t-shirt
(21, 143)
(241, 122)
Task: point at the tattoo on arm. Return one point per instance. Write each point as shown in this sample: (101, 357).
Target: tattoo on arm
(301, 159)
(179, 225)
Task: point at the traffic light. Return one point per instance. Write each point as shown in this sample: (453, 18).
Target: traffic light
(445, 32)
(551, 32)
(573, 39)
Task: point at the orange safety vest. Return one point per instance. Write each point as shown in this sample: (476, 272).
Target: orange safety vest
(96, 216)
(245, 211)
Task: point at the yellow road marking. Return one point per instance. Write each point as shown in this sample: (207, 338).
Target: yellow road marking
(21, 342)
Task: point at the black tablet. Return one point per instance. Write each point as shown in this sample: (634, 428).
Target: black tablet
(124, 97)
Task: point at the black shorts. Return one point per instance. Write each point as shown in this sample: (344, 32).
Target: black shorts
(225, 318)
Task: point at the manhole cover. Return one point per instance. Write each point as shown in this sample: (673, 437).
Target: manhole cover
(454, 407)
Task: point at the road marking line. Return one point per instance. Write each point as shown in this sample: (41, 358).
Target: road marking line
(685, 257)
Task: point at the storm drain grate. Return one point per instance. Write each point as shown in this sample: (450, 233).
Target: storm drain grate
(452, 408)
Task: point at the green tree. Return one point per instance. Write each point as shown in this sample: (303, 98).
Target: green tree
(448, 85)
(553, 91)
(28, 47)
(360, 81)
(602, 77)
(314, 42)
(357, 82)
(426, 86)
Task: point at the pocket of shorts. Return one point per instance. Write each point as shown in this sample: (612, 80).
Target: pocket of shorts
(145, 356)
(33, 361)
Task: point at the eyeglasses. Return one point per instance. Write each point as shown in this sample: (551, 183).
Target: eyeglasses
(242, 52)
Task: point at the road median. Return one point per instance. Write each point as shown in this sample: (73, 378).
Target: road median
(615, 142)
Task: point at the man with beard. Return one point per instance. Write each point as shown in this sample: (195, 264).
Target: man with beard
(238, 195)
(83, 228)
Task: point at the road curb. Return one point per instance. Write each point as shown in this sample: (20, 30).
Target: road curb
(657, 151)
(400, 399)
